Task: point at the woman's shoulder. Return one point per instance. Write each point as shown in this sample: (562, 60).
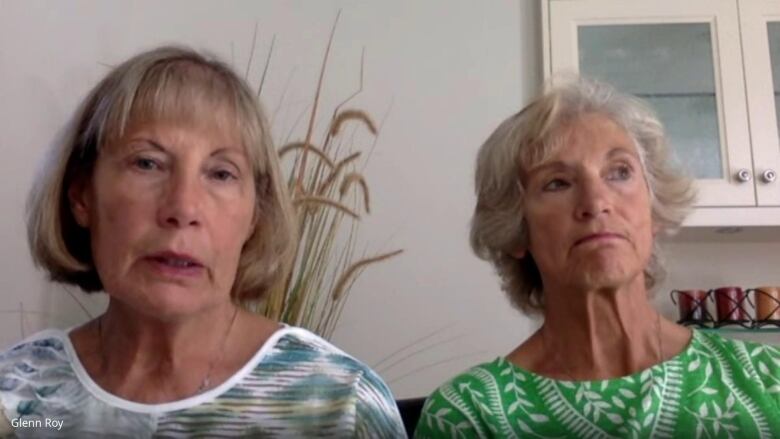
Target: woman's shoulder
(299, 352)
(472, 388)
(757, 361)
(485, 376)
(476, 385)
(35, 367)
(463, 405)
(744, 350)
(43, 347)
(296, 345)
(310, 366)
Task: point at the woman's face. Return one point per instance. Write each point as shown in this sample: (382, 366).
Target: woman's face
(588, 209)
(169, 208)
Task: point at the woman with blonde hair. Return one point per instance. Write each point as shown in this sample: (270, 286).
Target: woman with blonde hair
(571, 193)
(166, 194)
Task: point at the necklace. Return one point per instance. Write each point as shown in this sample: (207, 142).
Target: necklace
(205, 384)
(564, 366)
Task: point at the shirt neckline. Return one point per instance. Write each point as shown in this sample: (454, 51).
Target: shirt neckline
(109, 398)
(694, 340)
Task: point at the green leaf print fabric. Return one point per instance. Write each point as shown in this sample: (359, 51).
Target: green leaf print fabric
(715, 388)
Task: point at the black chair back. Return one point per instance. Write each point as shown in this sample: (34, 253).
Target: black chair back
(410, 412)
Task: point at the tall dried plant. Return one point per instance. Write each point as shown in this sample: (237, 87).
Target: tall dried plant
(330, 196)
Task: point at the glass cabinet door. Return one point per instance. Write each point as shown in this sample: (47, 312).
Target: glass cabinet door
(760, 23)
(670, 66)
(678, 57)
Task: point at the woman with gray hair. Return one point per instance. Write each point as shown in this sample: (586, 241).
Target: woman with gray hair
(166, 194)
(571, 193)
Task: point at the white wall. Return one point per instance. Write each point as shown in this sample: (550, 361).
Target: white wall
(444, 73)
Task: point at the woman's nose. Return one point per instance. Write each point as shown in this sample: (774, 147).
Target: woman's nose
(593, 199)
(181, 205)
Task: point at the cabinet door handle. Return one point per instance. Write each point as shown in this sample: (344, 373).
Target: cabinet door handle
(769, 175)
(743, 175)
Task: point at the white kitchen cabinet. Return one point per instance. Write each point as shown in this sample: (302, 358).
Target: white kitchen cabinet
(760, 24)
(710, 68)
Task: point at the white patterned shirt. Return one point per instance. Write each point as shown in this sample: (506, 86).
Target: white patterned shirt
(297, 385)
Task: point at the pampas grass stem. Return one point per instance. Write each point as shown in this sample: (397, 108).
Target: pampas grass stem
(349, 180)
(313, 116)
(347, 115)
(251, 52)
(265, 68)
(336, 172)
(313, 199)
(293, 146)
(338, 290)
(314, 292)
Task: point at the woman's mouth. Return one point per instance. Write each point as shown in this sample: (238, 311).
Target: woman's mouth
(598, 237)
(175, 264)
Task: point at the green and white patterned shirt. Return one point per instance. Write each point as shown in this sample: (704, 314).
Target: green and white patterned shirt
(296, 386)
(715, 388)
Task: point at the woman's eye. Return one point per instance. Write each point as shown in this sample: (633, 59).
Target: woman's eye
(555, 184)
(223, 175)
(145, 164)
(622, 172)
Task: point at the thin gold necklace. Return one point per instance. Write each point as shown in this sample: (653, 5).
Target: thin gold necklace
(564, 367)
(205, 384)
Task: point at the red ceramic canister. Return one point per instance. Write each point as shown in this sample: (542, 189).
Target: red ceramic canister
(691, 306)
(731, 304)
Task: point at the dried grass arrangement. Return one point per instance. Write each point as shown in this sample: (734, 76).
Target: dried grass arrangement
(330, 196)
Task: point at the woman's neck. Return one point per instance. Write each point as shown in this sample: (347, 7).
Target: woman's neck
(599, 334)
(144, 359)
(602, 334)
(161, 347)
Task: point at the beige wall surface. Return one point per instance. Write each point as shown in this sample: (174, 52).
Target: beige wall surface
(439, 74)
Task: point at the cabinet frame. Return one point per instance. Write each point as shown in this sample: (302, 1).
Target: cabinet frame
(743, 85)
(754, 16)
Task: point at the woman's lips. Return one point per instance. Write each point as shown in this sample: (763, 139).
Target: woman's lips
(175, 264)
(598, 237)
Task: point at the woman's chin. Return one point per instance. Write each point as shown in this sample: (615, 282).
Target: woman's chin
(612, 275)
(169, 302)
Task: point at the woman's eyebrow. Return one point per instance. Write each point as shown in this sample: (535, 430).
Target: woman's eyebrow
(233, 151)
(556, 165)
(151, 142)
(229, 149)
(563, 166)
(622, 150)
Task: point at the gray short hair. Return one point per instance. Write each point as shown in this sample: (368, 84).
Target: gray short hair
(167, 83)
(525, 139)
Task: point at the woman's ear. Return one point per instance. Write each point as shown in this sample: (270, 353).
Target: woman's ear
(253, 225)
(251, 231)
(519, 253)
(80, 202)
(656, 228)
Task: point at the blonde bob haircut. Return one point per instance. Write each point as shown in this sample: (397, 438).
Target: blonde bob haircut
(166, 84)
(529, 138)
